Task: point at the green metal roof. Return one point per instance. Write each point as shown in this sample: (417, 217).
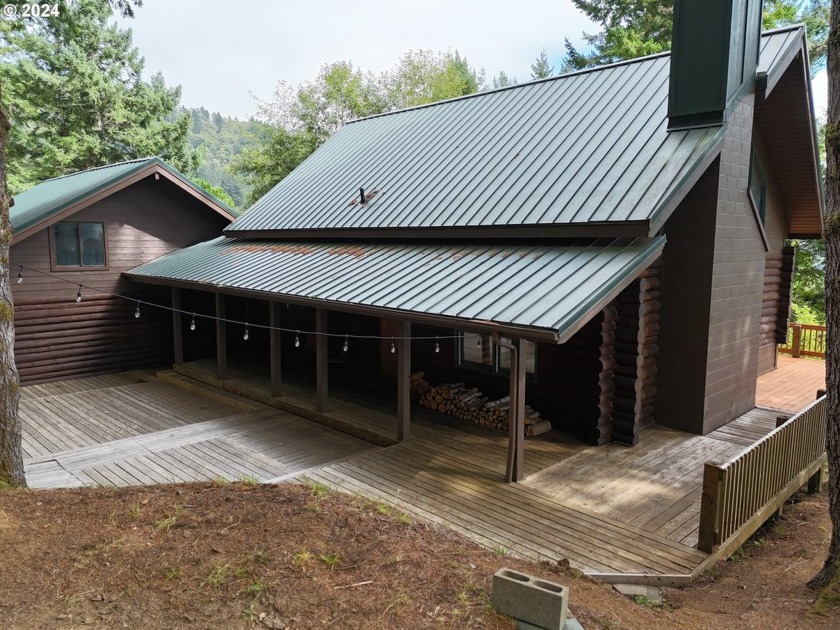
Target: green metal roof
(585, 149)
(51, 197)
(549, 290)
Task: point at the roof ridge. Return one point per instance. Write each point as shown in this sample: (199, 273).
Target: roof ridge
(565, 75)
(100, 168)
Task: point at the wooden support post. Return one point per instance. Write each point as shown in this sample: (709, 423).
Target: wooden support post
(796, 347)
(520, 368)
(221, 337)
(404, 382)
(321, 374)
(815, 481)
(274, 322)
(711, 508)
(177, 333)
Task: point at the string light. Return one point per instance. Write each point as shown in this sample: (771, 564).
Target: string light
(245, 334)
(231, 321)
(346, 344)
(478, 342)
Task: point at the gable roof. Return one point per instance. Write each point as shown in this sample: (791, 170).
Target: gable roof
(57, 198)
(585, 153)
(542, 292)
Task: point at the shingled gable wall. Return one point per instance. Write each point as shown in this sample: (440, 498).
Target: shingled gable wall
(712, 291)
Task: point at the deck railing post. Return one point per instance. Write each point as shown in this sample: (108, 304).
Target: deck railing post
(796, 346)
(710, 508)
(177, 333)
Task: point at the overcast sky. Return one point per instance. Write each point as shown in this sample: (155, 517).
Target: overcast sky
(220, 52)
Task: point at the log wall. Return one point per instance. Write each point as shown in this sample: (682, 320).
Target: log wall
(636, 347)
(775, 305)
(57, 338)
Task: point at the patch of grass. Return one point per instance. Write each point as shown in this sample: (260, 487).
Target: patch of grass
(644, 600)
(250, 613)
(400, 601)
(302, 558)
(318, 489)
(219, 482)
(331, 559)
(249, 480)
(254, 589)
(4, 485)
(404, 518)
(383, 508)
(218, 575)
(170, 519)
(172, 573)
(500, 550)
(136, 511)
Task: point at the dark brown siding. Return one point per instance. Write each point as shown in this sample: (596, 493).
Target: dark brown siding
(56, 337)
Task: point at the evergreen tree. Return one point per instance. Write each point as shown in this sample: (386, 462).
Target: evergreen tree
(541, 69)
(634, 28)
(76, 98)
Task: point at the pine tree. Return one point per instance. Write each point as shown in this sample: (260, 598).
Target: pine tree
(541, 69)
(76, 97)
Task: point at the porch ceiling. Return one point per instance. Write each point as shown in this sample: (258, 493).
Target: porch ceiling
(544, 293)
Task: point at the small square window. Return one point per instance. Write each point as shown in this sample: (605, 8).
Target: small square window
(78, 244)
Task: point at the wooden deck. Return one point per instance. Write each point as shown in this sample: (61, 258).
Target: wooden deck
(608, 510)
(792, 385)
(131, 429)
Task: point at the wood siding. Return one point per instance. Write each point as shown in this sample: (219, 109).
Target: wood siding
(58, 338)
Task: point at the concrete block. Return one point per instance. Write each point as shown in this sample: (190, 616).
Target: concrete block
(530, 599)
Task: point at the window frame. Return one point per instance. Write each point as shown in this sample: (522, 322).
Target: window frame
(54, 266)
(495, 367)
(759, 205)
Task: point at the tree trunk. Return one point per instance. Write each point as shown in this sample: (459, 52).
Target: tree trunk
(11, 458)
(831, 568)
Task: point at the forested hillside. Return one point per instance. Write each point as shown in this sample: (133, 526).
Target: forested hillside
(218, 140)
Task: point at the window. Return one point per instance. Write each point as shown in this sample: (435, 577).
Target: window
(479, 352)
(78, 244)
(758, 186)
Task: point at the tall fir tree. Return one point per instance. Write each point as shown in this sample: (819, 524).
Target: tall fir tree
(76, 98)
(541, 69)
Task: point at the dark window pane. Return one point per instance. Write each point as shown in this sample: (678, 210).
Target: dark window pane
(93, 244)
(66, 244)
(530, 357)
(477, 349)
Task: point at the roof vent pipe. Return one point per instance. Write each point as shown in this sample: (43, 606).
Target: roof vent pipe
(362, 195)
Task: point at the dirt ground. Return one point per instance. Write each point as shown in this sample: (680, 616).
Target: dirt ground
(248, 556)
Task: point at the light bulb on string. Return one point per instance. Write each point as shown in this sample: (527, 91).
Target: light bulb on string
(297, 339)
(192, 322)
(437, 346)
(20, 275)
(393, 347)
(346, 344)
(79, 294)
(245, 334)
(137, 310)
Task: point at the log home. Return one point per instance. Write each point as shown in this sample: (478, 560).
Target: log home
(607, 245)
(77, 234)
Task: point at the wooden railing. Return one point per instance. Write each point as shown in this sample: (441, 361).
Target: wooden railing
(739, 495)
(805, 340)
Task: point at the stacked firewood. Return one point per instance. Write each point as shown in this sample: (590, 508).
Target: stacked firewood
(468, 403)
